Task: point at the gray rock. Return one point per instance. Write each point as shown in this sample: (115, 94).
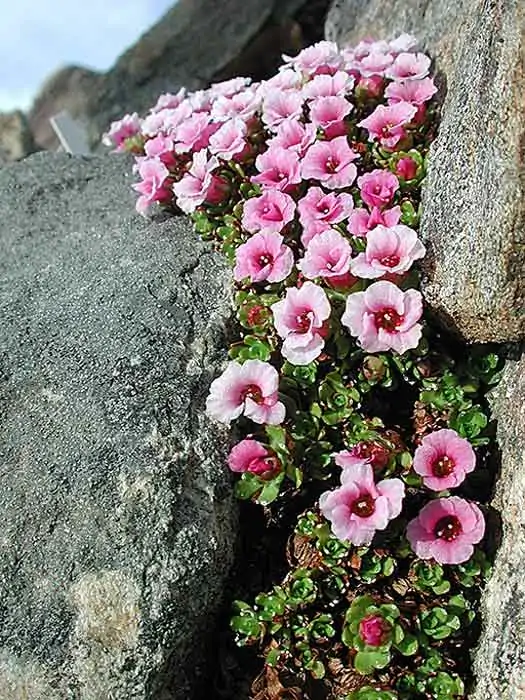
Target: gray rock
(16, 139)
(473, 201)
(500, 658)
(117, 518)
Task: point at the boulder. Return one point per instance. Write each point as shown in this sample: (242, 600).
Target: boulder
(116, 510)
(193, 44)
(473, 211)
(500, 658)
(16, 140)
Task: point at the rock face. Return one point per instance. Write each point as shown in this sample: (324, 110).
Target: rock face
(117, 517)
(500, 659)
(473, 208)
(16, 139)
(195, 43)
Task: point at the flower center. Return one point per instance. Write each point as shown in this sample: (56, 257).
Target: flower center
(443, 466)
(303, 322)
(385, 130)
(390, 260)
(388, 319)
(265, 259)
(448, 528)
(253, 392)
(331, 164)
(364, 506)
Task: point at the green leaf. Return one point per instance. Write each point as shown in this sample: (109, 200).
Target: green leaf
(366, 662)
(248, 485)
(270, 490)
(408, 646)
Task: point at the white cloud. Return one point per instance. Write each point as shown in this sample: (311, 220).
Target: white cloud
(39, 36)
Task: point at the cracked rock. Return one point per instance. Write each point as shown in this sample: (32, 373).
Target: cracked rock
(117, 518)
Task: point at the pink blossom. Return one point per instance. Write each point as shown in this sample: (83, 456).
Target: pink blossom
(318, 211)
(242, 105)
(417, 92)
(337, 85)
(250, 389)
(444, 459)
(161, 147)
(229, 141)
(378, 187)
(406, 168)
(252, 456)
(372, 86)
(375, 64)
(387, 124)
(329, 113)
(228, 88)
(271, 211)
(323, 57)
(278, 168)
(331, 163)
(263, 257)
(446, 530)
(364, 452)
(409, 66)
(286, 79)
(384, 318)
(199, 184)
(200, 101)
(194, 133)
(299, 319)
(374, 630)
(359, 507)
(121, 130)
(404, 42)
(361, 221)
(167, 120)
(154, 186)
(278, 106)
(169, 101)
(388, 251)
(294, 136)
(327, 255)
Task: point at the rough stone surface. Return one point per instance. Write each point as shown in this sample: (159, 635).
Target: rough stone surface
(16, 139)
(117, 519)
(500, 658)
(70, 89)
(193, 44)
(473, 216)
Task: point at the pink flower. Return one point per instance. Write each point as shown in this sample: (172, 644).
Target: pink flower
(299, 319)
(252, 456)
(278, 106)
(263, 257)
(387, 124)
(409, 66)
(269, 212)
(250, 389)
(444, 459)
(194, 133)
(278, 168)
(378, 187)
(384, 317)
(161, 147)
(294, 136)
(338, 84)
(375, 63)
(154, 186)
(406, 168)
(121, 130)
(404, 42)
(330, 162)
(361, 221)
(417, 92)
(169, 101)
(286, 79)
(199, 184)
(446, 530)
(329, 113)
(374, 630)
(242, 105)
(228, 88)
(229, 141)
(372, 86)
(327, 255)
(323, 57)
(372, 453)
(318, 211)
(388, 251)
(359, 507)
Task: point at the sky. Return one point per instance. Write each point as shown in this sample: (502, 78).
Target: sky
(39, 36)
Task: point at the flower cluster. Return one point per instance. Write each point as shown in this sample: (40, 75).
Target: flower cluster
(309, 182)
